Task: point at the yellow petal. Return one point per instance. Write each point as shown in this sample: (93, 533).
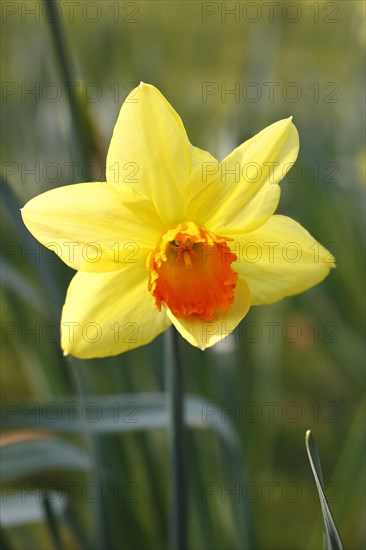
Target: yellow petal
(150, 146)
(204, 334)
(280, 259)
(241, 192)
(203, 164)
(94, 227)
(109, 313)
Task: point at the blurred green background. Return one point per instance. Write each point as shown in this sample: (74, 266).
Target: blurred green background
(229, 69)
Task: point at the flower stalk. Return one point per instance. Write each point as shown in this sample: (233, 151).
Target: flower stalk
(175, 400)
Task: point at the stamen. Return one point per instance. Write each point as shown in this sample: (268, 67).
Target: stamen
(187, 259)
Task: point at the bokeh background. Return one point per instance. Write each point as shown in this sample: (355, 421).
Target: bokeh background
(229, 69)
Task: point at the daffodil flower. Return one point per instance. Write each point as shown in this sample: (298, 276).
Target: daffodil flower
(173, 236)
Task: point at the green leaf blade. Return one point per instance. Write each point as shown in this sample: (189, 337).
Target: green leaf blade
(332, 538)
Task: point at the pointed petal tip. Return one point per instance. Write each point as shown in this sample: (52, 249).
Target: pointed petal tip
(291, 117)
(66, 353)
(204, 334)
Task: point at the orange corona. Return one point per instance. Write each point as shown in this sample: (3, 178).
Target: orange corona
(191, 273)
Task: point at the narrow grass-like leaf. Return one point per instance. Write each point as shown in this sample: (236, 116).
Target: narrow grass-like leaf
(200, 511)
(332, 538)
(26, 458)
(18, 510)
(74, 527)
(4, 543)
(52, 523)
(10, 210)
(82, 125)
(14, 281)
(99, 509)
(113, 413)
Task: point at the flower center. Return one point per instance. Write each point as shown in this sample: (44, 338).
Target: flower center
(191, 274)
